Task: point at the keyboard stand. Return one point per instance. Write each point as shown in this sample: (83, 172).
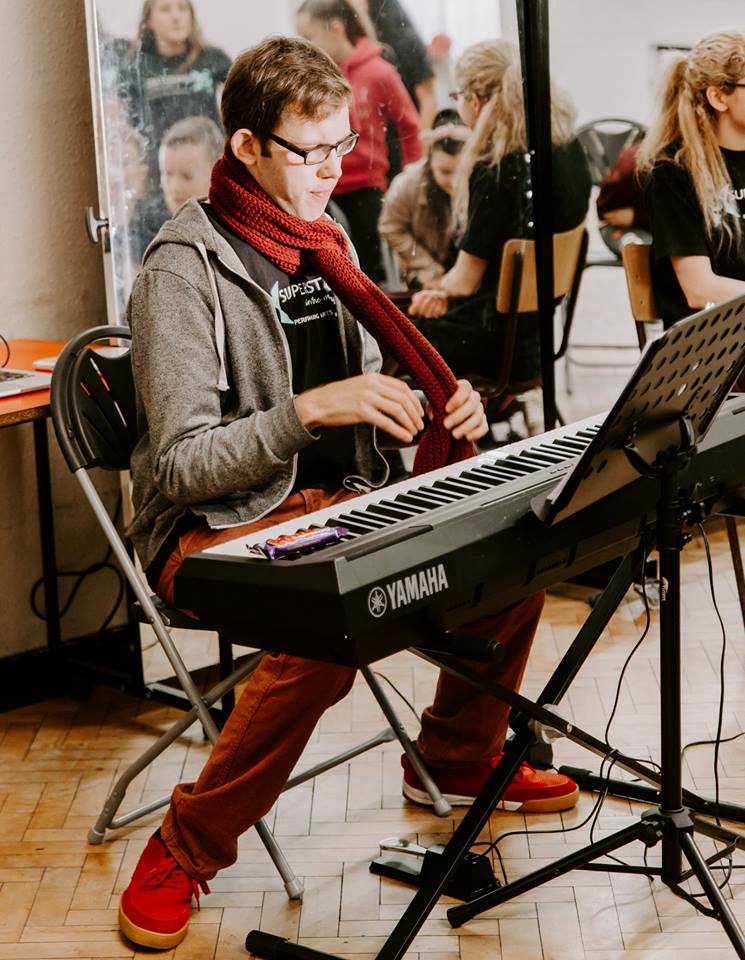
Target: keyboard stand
(523, 719)
(652, 430)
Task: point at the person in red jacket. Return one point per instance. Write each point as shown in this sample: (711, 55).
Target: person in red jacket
(380, 96)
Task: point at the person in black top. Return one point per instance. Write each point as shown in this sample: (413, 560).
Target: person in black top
(693, 159)
(171, 74)
(404, 48)
(493, 203)
(395, 30)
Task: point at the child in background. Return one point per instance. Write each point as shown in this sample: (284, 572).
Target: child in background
(187, 154)
(416, 217)
(379, 96)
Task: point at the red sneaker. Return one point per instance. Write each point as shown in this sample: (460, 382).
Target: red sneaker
(531, 791)
(155, 907)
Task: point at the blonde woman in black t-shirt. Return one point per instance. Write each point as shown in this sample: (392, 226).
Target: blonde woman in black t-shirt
(693, 159)
(493, 203)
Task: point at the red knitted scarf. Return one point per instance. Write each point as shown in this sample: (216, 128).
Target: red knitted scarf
(290, 242)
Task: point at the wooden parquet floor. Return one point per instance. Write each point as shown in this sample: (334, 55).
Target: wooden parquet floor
(58, 759)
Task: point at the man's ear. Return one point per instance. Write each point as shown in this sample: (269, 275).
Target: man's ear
(716, 99)
(336, 26)
(245, 146)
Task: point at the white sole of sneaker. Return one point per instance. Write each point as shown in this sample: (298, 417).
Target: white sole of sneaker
(549, 805)
(149, 938)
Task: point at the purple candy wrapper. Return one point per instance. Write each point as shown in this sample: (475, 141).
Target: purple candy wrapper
(280, 548)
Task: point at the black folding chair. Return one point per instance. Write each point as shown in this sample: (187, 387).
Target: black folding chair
(94, 415)
(602, 141)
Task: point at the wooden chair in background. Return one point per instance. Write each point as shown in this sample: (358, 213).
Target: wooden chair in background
(637, 266)
(517, 296)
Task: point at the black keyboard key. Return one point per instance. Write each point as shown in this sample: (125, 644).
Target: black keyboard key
(458, 490)
(347, 520)
(574, 447)
(390, 512)
(366, 517)
(417, 498)
(518, 464)
(498, 468)
(357, 529)
(447, 496)
(482, 477)
(530, 456)
(550, 455)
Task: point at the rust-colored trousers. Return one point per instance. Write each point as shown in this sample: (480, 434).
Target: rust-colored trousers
(284, 699)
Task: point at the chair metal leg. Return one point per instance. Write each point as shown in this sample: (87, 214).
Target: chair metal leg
(107, 819)
(177, 664)
(441, 807)
(734, 548)
(226, 667)
(293, 885)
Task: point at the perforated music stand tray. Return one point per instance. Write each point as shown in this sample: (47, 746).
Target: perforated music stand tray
(685, 375)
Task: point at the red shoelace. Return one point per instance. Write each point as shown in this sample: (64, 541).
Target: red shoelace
(170, 873)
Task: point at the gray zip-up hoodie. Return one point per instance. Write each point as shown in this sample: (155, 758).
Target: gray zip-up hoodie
(219, 433)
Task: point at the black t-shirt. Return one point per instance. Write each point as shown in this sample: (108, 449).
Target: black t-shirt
(500, 203)
(678, 231)
(500, 208)
(395, 30)
(307, 312)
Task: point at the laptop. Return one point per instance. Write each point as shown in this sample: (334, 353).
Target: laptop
(13, 382)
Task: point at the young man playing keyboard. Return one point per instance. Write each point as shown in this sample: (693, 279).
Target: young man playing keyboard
(260, 401)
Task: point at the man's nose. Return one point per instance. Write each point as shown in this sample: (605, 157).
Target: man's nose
(331, 166)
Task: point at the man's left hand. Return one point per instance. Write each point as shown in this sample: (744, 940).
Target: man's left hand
(465, 413)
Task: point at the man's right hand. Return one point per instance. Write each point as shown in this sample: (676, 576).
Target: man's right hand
(385, 402)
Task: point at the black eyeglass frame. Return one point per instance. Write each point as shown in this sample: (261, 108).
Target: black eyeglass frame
(329, 147)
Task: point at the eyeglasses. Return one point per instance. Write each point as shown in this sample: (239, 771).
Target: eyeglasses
(322, 152)
(455, 95)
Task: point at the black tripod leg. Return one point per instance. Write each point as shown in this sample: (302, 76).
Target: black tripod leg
(463, 912)
(465, 834)
(714, 894)
(631, 790)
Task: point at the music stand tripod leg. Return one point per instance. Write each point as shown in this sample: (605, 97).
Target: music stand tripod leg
(671, 822)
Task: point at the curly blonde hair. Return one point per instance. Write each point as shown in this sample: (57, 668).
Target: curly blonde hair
(685, 132)
(491, 71)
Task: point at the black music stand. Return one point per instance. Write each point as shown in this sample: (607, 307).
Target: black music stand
(652, 430)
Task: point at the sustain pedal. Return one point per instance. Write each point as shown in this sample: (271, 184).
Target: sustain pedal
(418, 866)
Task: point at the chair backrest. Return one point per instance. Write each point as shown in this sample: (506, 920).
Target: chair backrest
(637, 266)
(604, 139)
(567, 247)
(93, 400)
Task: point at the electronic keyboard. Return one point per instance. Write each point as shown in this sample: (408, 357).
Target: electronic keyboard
(441, 549)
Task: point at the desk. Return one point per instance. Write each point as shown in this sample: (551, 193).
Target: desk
(34, 408)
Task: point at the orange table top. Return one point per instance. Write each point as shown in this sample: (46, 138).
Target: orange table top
(27, 406)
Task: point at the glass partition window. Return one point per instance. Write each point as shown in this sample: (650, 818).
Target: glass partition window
(158, 69)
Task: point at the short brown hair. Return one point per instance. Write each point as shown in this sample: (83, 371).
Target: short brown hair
(356, 24)
(279, 74)
(195, 130)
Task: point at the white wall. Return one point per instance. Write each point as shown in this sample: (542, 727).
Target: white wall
(52, 284)
(234, 25)
(603, 51)
(231, 25)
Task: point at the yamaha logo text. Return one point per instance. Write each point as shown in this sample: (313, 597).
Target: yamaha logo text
(405, 590)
